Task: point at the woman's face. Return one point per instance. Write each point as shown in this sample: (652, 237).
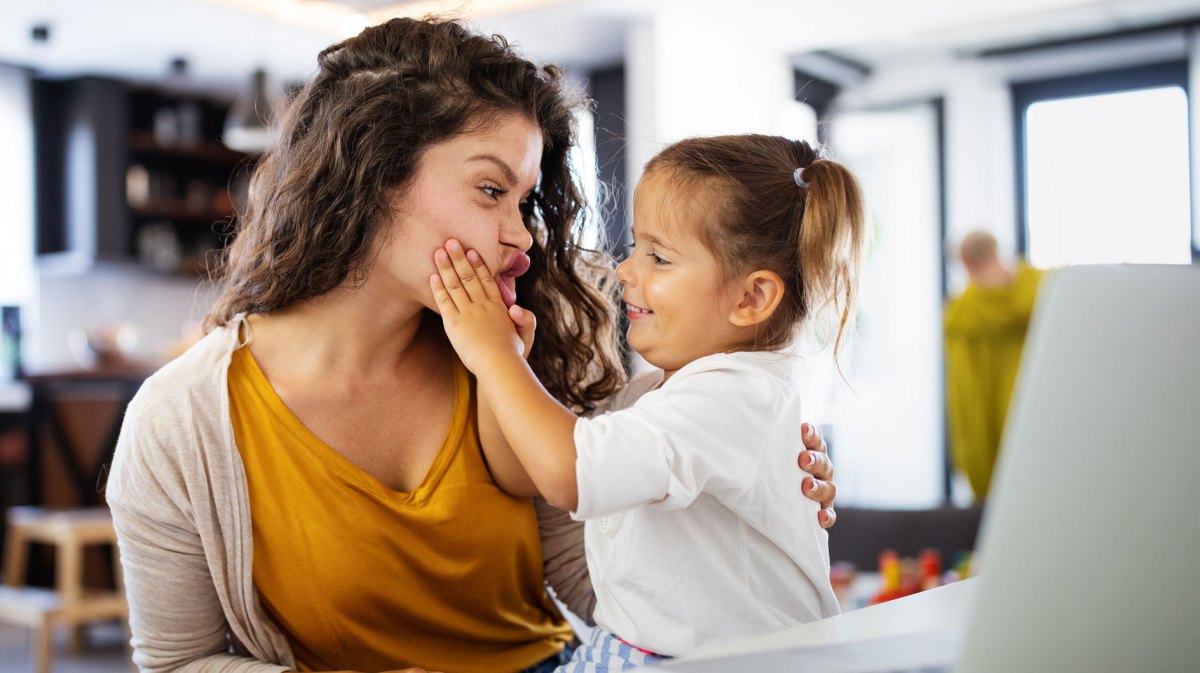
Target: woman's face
(472, 188)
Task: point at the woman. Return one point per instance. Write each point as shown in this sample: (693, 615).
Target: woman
(304, 489)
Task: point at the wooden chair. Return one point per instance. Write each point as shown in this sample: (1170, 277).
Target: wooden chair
(69, 603)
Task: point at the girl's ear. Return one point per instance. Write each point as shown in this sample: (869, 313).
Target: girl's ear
(762, 291)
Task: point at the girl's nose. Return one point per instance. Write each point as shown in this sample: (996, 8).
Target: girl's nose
(625, 271)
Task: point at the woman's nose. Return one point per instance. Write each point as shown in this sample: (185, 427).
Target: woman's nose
(513, 232)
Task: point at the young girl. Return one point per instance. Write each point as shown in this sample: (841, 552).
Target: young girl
(738, 240)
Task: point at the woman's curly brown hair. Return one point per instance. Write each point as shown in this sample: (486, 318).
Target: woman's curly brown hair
(356, 133)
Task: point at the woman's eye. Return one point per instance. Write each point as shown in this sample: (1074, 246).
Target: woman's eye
(493, 191)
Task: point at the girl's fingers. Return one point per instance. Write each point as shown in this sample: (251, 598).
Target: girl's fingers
(485, 276)
(526, 324)
(817, 464)
(466, 273)
(827, 517)
(475, 280)
(450, 278)
(824, 492)
(440, 296)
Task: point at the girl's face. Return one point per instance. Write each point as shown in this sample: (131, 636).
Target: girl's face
(675, 295)
(472, 188)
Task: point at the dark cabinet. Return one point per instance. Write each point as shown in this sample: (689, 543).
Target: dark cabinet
(79, 135)
(133, 173)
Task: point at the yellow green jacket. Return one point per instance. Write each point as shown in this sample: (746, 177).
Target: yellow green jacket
(985, 331)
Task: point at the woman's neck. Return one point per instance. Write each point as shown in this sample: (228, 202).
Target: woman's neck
(347, 332)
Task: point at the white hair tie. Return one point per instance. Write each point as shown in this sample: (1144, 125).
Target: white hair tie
(798, 176)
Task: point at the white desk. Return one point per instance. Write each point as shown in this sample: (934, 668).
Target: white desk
(944, 609)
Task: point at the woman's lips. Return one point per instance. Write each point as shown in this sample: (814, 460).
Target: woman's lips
(506, 280)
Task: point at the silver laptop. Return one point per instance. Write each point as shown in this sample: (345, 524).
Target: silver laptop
(1076, 573)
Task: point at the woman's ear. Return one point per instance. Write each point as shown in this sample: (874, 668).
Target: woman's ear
(762, 291)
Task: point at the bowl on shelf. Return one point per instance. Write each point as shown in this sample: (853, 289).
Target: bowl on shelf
(104, 346)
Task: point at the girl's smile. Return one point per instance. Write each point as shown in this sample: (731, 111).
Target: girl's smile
(635, 312)
(676, 297)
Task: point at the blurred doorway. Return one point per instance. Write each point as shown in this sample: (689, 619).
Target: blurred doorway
(888, 425)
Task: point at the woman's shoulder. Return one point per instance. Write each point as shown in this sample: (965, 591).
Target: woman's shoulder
(175, 419)
(197, 373)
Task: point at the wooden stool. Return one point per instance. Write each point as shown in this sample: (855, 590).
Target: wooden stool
(39, 609)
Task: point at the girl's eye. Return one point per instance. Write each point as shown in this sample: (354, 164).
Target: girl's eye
(658, 260)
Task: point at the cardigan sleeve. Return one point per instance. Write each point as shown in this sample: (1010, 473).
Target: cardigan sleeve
(565, 565)
(176, 614)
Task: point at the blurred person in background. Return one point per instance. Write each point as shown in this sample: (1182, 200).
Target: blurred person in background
(985, 332)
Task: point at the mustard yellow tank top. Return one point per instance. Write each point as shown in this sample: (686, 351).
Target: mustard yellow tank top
(361, 577)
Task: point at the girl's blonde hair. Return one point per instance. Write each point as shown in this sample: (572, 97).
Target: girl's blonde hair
(759, 213)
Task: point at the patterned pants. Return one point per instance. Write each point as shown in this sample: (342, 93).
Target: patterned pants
(605, 653)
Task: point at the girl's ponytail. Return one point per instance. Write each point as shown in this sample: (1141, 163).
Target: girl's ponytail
(831, 235)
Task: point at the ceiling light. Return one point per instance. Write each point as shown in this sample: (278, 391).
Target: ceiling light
(248, 124)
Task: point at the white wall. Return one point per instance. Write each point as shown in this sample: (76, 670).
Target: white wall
(695, 73)
(16, 187)
(161, 308)
(1194, 125)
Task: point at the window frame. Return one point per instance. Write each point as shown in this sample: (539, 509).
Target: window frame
(1025, 94)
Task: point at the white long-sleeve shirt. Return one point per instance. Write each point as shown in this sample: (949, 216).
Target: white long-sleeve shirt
(697, 530)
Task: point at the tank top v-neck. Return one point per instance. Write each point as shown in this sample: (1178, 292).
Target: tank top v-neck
(362, 577)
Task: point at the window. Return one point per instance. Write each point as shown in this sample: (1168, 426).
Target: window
(1104, 171)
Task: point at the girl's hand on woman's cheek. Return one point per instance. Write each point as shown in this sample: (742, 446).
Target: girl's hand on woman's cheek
(476, 321)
